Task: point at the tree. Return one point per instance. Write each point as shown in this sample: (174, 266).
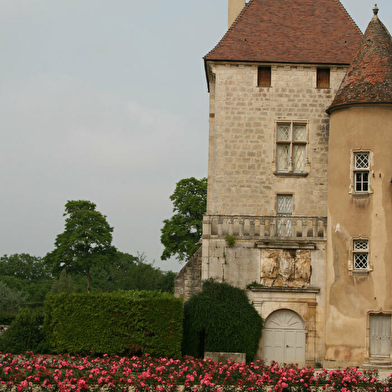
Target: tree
(85, 243)
(64, 284)
(183, 230)
(24, 266)
(10, 300)
(127, 272)
(23, 272)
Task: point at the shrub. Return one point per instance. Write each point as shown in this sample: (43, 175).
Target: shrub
(24, 334)
(230, 240)
(220, 318)
(114, 323)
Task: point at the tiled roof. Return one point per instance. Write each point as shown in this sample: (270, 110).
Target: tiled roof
(369, 77)
(290, 31)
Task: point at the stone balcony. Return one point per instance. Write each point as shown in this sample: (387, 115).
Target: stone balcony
(266, 228)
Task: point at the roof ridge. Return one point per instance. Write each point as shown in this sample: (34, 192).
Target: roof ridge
(231, 27)
(384, 27)
(348, 15)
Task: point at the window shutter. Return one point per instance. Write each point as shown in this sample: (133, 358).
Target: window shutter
(323, 78)
(264, 77)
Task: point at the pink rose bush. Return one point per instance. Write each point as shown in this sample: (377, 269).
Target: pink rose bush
(75, 373)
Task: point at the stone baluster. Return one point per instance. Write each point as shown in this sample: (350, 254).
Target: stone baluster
(241, 228)
(293, 228)
(231, 226)
(262, 227)
(304, 228)
(272, 227)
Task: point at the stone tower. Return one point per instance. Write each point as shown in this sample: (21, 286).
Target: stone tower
(299, 179)
(359, 272)
(271, 79)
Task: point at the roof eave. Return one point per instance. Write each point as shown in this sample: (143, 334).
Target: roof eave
(333, 108)
(276, 62)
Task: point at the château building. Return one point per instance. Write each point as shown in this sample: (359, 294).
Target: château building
(299, 179)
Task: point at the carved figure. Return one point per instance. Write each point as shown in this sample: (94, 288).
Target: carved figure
(287, 267)
(269, 266)
(303, 267)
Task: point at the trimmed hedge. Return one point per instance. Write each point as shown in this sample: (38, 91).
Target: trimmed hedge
(220, 318)
(114, 323)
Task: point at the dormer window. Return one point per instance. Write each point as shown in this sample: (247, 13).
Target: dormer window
(264, 76)
(323, 78)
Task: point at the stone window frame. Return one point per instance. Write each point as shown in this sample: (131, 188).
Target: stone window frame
(357, 251)
(354, 170)
(291, 172)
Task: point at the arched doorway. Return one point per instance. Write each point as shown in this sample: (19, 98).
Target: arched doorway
(284, 338)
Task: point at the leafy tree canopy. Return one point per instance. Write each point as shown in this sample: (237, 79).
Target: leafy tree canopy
(24, 266)
(10, 300)
(85, 243)
(127, 272)
(28, 274)
(183, 230)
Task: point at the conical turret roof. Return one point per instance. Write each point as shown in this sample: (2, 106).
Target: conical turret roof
(369, 77)
(290, 31)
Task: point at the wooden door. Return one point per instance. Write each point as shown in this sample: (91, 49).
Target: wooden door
(380, 335)
(284, 338)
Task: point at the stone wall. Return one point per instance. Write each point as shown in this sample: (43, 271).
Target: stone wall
(355, 295)
(242, 176)
(188, 280)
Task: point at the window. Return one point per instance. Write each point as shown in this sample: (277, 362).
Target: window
(361, 172)
(291, 147)
(264, 77)
(323, 77)
(285, 205)
(361, 254)
(284, 208)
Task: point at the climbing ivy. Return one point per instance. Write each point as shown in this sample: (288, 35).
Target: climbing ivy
(221, 318)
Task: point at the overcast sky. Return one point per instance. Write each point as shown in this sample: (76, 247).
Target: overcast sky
(106, 100)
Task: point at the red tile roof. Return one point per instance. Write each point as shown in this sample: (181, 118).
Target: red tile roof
(290, 31)
(369, 77)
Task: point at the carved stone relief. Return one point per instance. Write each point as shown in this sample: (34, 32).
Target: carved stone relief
(286, 268)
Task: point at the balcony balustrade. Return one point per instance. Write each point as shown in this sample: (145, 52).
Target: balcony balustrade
(306, 228)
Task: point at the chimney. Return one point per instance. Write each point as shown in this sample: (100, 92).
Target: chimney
(235, 7)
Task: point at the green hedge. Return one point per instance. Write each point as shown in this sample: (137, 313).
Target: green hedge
(221, 318)
(114, 323)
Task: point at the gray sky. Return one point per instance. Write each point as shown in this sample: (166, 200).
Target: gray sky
(106, 100)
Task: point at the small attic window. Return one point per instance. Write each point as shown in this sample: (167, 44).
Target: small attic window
(323, 77)
(264, 76)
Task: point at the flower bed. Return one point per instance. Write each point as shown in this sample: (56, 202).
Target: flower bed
(73, 373)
